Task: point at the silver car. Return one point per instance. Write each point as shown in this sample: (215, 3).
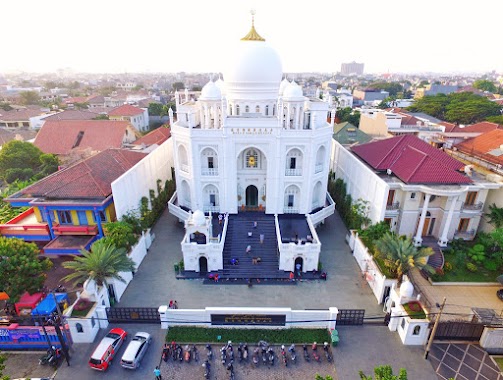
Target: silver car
(136, 350)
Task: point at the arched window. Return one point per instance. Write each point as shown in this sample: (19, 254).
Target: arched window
(267, 110)
(274, 110)
(247, 109)
(257, 109)
(237, 110)
(230, 110)
(79, 327)
(417, 330)
(251, 158)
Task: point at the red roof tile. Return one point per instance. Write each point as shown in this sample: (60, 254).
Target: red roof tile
(60, 137)
(412, 160)
(449, 127)
(88, 179)
(483, 126)
(157, 136)
(72, 115)
(482, 145)
(23, 114)
(125, 110)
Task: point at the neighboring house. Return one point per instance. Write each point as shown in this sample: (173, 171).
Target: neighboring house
(138, 117)
(96, 101)
(19, 134)
(434, 89)
(485, 154)
(38, 121)
(153, 139)
(67, 138)
(455, 134)
(69, 208)
(370, 96)
(418, 190)
(18, 118)
(347, 134)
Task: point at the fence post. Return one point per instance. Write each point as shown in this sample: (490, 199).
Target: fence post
(332, 316)
(163, 313)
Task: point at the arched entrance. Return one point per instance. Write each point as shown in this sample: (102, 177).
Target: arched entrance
(251, 196)
(203, 264)
(299, 265)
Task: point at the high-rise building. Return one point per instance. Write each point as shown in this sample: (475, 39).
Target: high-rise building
(352, 68)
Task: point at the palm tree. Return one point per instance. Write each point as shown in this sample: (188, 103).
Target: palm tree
(103, 262)
(401, 256)
(495, 216)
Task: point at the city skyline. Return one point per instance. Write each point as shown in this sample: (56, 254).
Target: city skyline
(118, 37)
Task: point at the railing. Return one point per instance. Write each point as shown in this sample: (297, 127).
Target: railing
(291, 210)
(175, 209)
(467, 235)
(393, 206)
(209, 208)
(209, 171)
(325, 212)
(318, 168)
(74, 230)
(15, 227)
(472, 207)
(184, 168)
(293, 172)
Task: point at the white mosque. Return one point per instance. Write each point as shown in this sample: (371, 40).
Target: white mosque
(251, 142)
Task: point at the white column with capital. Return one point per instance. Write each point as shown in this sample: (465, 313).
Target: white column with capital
(443, 238)
(418, 240)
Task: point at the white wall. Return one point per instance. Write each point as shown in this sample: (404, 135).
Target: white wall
(136, 183)
(361, 181)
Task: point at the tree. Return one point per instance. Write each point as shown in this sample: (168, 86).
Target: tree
(392, 87)
(484, 85)
(319, 377)
(400, 255)
(120, 234)
(385, 372)
(177, 86)
(101, 117)
(2, 367)
(104, 261)
(347, 114)
(496, 119)
(29, 97)
(495, 216)
(23, 160)
(21, 270)
(5, 106)
(155, 109)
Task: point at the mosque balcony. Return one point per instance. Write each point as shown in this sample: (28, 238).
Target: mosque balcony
(293, 172)
(290, 210)
(318, 168)
(184, 168)
(209, 171)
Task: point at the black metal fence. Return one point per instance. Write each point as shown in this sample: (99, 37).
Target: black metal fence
(348, 317)
(133, 315)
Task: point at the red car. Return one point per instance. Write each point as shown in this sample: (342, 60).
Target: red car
(106, 350)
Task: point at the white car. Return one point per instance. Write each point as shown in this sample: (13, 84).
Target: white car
(136, 350)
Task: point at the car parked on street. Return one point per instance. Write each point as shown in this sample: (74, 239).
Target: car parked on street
(106, 350)
(136, 350)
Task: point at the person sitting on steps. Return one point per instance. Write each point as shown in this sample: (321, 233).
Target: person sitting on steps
(234, 261)
(256, 260)
(248, 249)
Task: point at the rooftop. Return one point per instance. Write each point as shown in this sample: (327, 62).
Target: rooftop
(125, 110)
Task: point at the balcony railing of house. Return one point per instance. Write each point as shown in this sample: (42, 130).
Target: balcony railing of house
(184, 168)
(64, 229)
(293, 172)
(291, 210)
(467, 235)
(472, 207)
(209, 172)
(393, 206)
(25, 225)
(318, 168)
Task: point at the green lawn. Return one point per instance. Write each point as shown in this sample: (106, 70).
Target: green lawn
(183, 334)
(459, 273)
(499, 362)
(420, 314)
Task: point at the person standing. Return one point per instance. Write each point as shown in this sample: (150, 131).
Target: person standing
(175, 305)
(262, 237)
(157, 373)
(291, 276)
(220, 218)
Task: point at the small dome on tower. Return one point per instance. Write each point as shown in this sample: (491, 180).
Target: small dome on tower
(293, 91)
(211, 91)
(198, 218)
(406, 289)
(284, 84)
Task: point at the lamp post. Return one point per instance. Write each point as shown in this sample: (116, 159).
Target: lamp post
(433, 332)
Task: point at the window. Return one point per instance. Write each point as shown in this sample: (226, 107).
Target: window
(251, 159)
(293, 162)
(247, 109)
(417, 330)
(403, 324)
(290, 200)
(93, 321)
(470, 198)
(210, 163)
(267, 110)
(412, 195)
(103, 216)
(274, 110)
(213, 201)
(64, 217)
(79, 327)
(391, 196)
(82, 217)
(257, 109)
(388, 221)
(237, 110)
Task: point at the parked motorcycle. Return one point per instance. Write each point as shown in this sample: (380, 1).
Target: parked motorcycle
(326, 348)
(270, 355)
(207, 369)
(255, 356)
(209, 352)
(48, 355)
(293, 354)
(316, 357)
(195, 353)
(240, 352)
(283, 355)
(223, 355)
(230, 368)
(306, 353)
(245, 352)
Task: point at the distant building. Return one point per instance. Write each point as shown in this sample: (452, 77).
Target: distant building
(352, 68)
(434, 89)
(370, 95)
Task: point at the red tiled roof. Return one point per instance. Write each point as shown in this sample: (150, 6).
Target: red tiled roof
(449, 127)
(412, 160)
(125, 110)
(76, 99)
(483, 144)
(88, 179)
(483, 126)
(72, 115)
(157, 136)
(20, 115)
(60, 137)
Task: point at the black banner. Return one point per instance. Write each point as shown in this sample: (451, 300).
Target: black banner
(248, 319)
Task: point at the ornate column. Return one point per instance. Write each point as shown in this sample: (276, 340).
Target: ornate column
(418, 240)
(443, 238)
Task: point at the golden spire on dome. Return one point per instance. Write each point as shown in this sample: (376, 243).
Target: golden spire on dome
(252, 34)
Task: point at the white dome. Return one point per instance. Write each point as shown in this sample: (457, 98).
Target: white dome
(198, 218)
(211, 91)
(284, 84)
(293, 91)
(406, 289)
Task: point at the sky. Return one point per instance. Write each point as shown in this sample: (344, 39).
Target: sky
(198, 36)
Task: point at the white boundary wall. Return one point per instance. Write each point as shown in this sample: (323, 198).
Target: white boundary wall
(294, 318)
(376, 280)
(137, 182)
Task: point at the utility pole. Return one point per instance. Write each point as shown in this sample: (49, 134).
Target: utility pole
(434, 331)
(57, 321)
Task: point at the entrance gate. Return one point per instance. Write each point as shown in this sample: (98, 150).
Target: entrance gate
(457, 330)
(133, 315)
(350, 317)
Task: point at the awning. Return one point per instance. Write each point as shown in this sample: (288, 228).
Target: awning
(4, 296)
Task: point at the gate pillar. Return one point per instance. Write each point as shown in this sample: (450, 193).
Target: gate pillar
(163, 313)
(332, 316)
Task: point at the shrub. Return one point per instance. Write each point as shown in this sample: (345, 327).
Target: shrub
(491, 265)
(447, 267)
(120, 234)
(471, 267)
